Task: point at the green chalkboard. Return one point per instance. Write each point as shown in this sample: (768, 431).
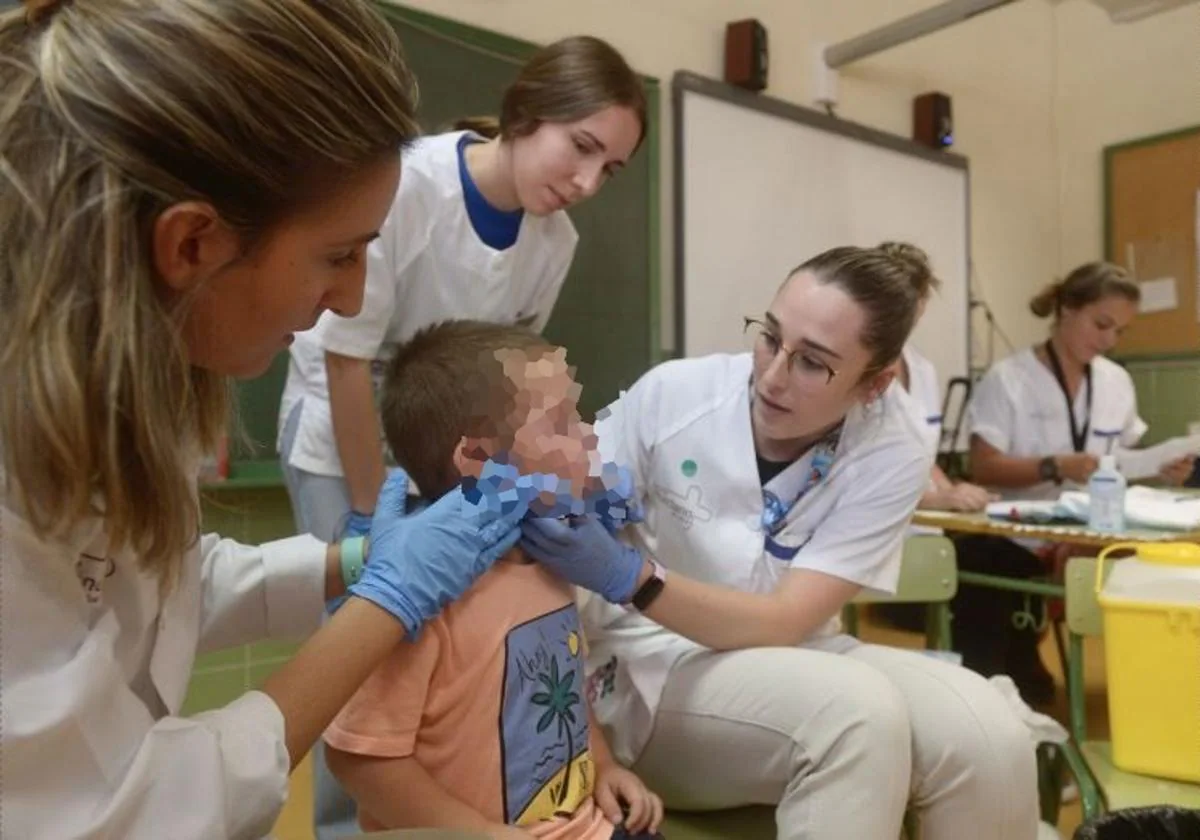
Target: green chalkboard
(607, 315)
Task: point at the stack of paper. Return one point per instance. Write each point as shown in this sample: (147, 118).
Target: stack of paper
(1136, 464)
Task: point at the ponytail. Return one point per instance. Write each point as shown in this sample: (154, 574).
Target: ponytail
(487, 127)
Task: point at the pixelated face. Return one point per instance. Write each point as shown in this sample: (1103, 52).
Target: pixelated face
(548, 435)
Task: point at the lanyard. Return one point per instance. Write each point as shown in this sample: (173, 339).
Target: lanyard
(774, 510)
(1078, 436)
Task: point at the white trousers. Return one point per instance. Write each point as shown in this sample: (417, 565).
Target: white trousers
(843, 743)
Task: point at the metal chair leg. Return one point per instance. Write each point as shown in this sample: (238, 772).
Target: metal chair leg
(1089, 793)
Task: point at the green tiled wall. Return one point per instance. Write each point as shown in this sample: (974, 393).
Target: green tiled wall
(1168, 395)
(251, 516)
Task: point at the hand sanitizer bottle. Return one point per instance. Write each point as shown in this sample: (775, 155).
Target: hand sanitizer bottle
(1106, 493)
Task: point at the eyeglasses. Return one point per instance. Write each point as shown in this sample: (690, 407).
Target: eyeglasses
(804, 369)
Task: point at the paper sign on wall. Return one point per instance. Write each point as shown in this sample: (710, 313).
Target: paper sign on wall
(1159, 295)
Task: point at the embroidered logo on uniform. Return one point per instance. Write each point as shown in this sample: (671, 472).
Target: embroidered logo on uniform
(689, 508)
(92, 572)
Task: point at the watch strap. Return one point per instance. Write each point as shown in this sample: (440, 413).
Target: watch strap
(650, 590)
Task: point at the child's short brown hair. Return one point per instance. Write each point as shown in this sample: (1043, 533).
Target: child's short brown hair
(448, 382)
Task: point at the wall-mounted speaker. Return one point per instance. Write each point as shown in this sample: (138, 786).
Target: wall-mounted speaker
(746, 54)
(933, 125)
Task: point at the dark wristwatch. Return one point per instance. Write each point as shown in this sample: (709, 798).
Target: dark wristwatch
(1048, 470)
(650, 590)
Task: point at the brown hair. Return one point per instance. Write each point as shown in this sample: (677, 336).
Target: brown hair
(888, 281)
(1087, 284)
(563, 82)
(111, 112)
(484, 126)
(448, 382)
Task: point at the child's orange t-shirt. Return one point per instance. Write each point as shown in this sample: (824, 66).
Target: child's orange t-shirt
(490, 700)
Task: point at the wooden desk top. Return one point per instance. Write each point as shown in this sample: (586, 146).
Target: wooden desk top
(981, 523)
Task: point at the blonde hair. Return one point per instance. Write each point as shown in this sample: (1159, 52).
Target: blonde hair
(110, 112)
(1086, 284)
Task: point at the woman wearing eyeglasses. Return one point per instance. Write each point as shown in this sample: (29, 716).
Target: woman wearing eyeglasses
(777, 485)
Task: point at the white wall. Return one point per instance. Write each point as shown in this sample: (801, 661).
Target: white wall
(1116, 83)
(1037, 89)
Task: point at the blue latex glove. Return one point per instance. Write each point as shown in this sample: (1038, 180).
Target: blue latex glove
(608, 496)
(419, 563)
(581, 550)
(357, 524)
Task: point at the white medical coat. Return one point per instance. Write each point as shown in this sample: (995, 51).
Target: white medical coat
(95, 665)
(926, 394)
(1019, 408)
(685, 431)
(428, 265)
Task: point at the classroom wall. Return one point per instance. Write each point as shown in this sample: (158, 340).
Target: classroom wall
(1116, 83)
(1038, 89)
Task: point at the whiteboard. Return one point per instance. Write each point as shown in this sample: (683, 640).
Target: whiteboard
(762, 185)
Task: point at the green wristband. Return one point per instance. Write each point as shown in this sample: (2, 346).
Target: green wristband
(353, 553)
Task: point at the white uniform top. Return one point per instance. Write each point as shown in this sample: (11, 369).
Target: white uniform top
(926, 393)
(1019, 408)
(684, 430)
(428, 265)
(95, 666)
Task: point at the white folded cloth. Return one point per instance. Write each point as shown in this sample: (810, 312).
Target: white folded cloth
(1145, 507)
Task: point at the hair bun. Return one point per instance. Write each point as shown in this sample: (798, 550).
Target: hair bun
(915, 263)
(1085, 284)
(1045, 303)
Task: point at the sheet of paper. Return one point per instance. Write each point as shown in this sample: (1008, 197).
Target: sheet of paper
(1146, 463)
(1159, 295)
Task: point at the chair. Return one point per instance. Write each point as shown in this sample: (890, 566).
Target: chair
(1101, 784)
(928, 575)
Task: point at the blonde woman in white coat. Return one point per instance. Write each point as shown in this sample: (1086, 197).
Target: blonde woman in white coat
(183, 186)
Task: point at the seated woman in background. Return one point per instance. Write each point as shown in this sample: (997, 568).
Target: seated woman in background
(920, 378)
(917, 375)
(1039, 420)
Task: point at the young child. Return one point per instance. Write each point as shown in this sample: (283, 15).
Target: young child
(483, 723)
